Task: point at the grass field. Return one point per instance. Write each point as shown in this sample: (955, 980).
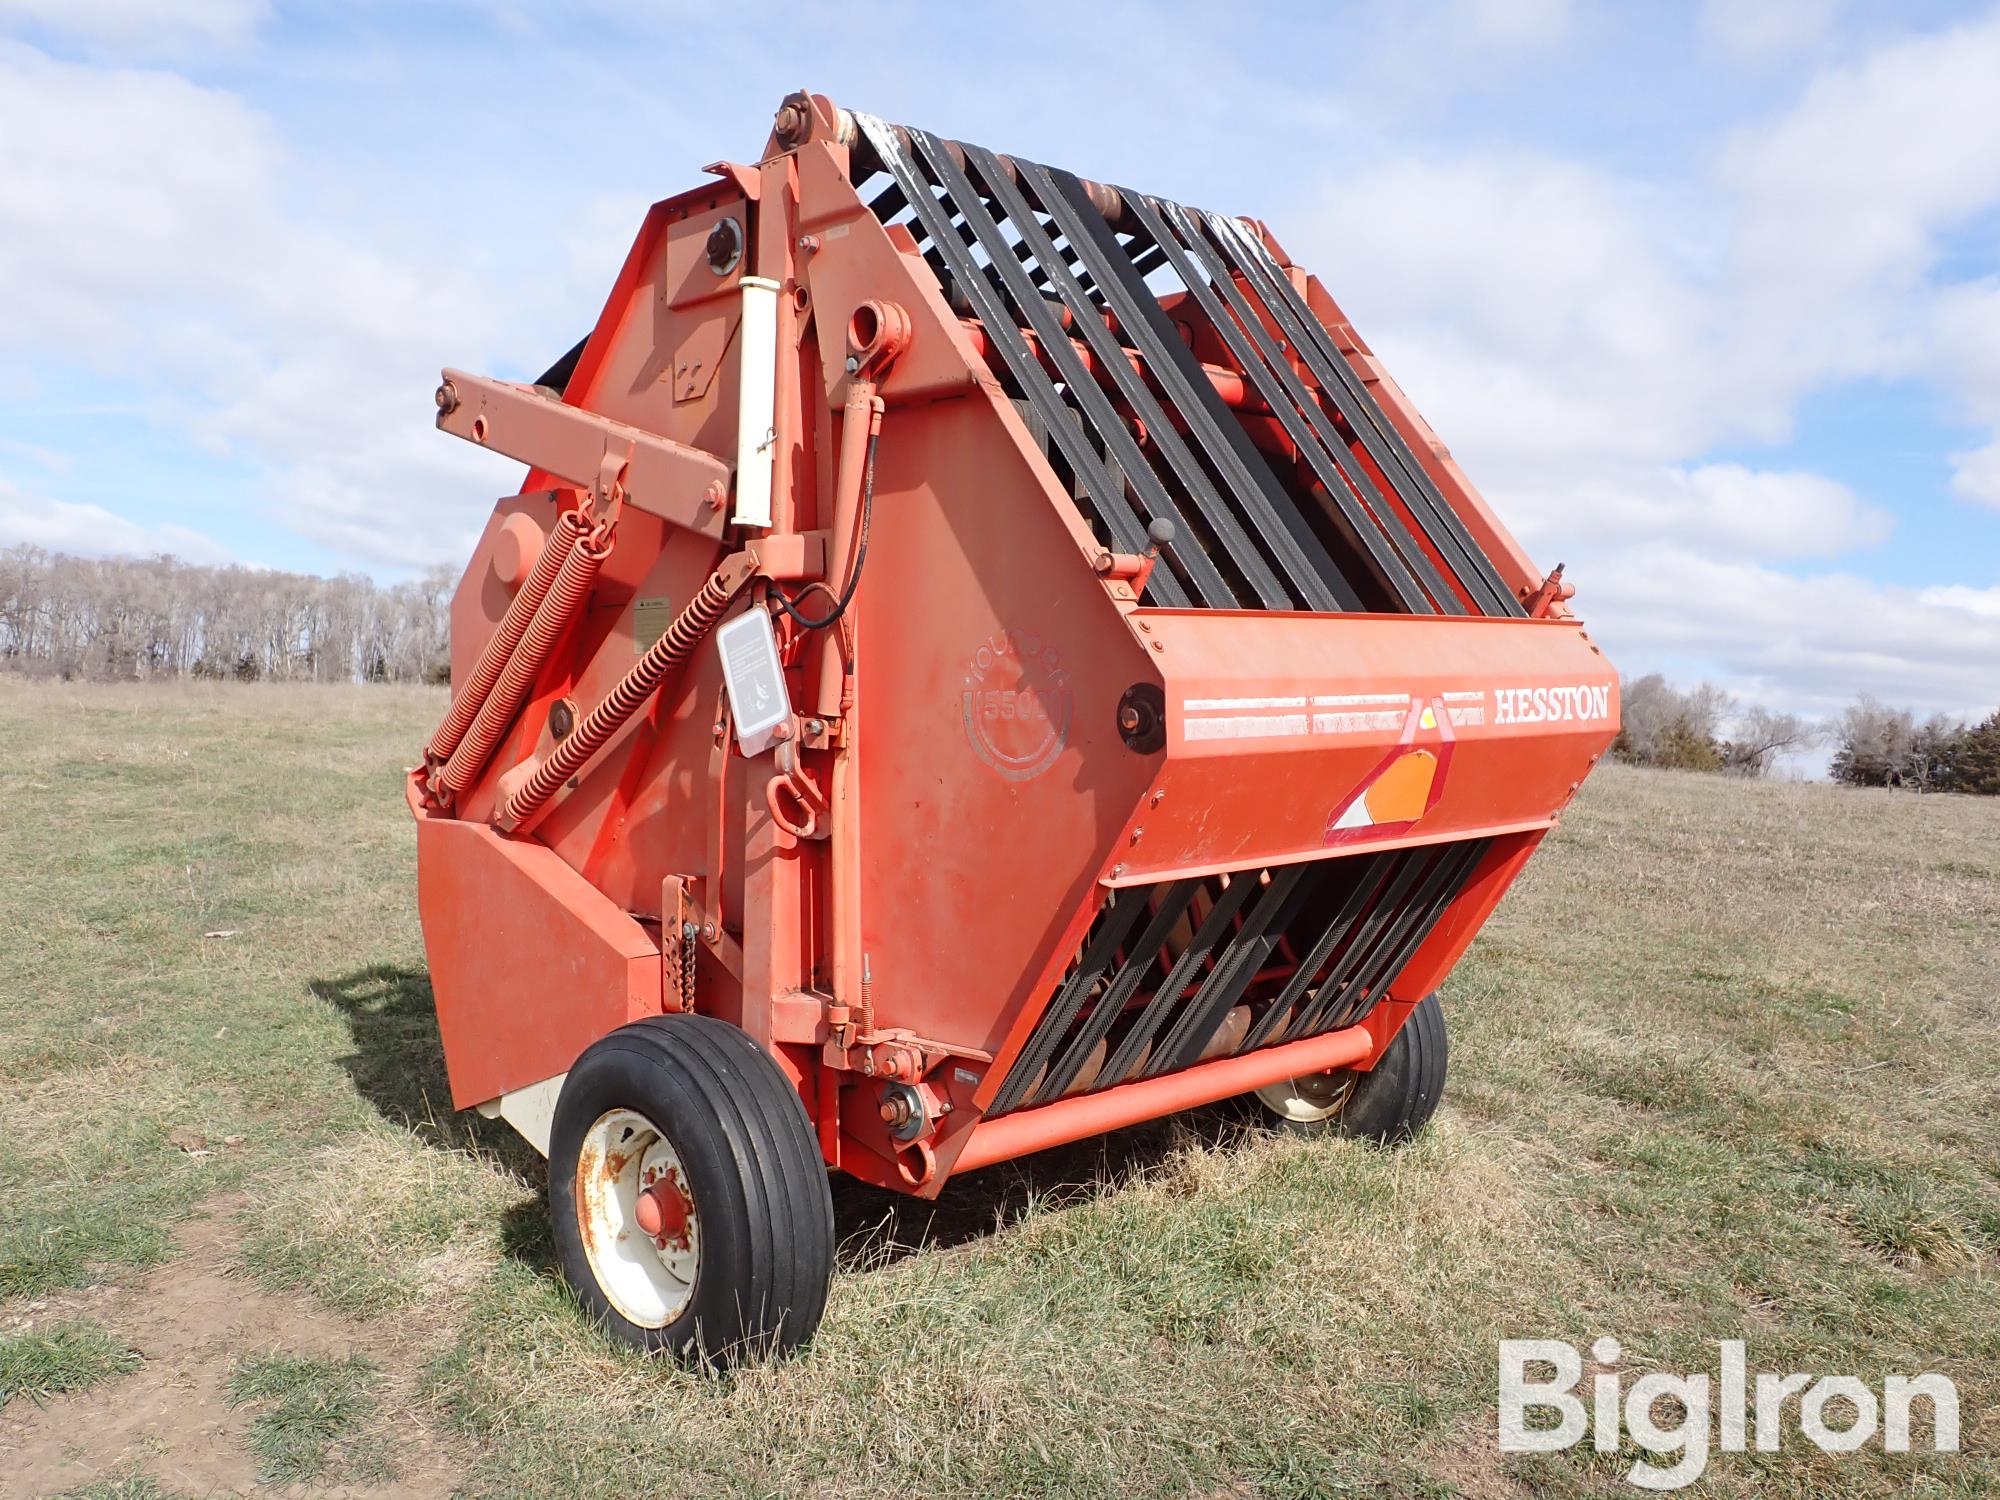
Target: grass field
(1724, 1066)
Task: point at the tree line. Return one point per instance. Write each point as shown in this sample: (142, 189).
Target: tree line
(1702, 728)
(123, 618)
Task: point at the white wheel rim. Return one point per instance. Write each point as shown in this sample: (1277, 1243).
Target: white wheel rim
(647, 1278)
(1307, 1100)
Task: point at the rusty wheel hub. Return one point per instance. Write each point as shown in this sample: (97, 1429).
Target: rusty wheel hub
(637, 1218)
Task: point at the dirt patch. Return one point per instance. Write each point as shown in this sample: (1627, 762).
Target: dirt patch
(191, 1320)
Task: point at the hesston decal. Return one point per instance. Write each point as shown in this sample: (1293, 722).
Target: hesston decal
(1552, 705)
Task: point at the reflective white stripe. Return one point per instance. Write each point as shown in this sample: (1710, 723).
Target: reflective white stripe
(1340, 700)
(1197, 705)
(1246, 727)
(1350, 723)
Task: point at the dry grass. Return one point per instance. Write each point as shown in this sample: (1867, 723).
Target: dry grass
(1723, 1067)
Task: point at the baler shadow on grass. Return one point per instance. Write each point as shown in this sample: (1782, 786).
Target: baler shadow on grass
(397, 1065)
(879, 1228)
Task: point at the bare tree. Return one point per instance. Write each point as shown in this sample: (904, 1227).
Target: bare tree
(1761, 735)
(1666, 726)
(161, 617)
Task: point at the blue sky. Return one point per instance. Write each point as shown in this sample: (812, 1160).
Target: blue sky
(1706, 297)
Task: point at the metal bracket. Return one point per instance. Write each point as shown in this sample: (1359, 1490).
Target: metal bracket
(592, 452)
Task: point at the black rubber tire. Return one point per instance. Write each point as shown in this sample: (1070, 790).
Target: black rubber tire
(1396, 1098)
(753, 1170)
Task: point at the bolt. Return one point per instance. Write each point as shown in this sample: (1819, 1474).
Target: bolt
(895, 1111)
(708, 932)
(1117, 869)
(853, 365)
(1102, 562)
(1137, 834)
(790, 122)
(1128, 718)
(447, 399)
(717, 493)
(809, 243)
(688, 929)
(1158, 798)
(1159, 645)
(782, 732)
(815, 727)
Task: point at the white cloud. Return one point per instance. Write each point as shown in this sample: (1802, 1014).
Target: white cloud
(1760, 514)
(122, 187)
(1966, 332)
(1558, 314)
(147, 215)
(92, 531)
(1975, 475)
(1761, 30)
(1511, 23)
(1957, 596)
(1804, 643)
(1582, 338)
(1839, 205)
(141, 27)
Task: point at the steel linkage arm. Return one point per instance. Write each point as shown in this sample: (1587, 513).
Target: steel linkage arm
(657, 475)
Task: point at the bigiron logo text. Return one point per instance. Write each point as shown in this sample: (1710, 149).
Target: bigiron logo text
(1681, 1419)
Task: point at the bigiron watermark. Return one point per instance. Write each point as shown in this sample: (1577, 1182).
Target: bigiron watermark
(1736, 1412)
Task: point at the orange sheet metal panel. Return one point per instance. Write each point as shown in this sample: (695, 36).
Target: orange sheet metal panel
(1294, 737)
(529, 962)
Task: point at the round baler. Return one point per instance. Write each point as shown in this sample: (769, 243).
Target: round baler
(980, 658)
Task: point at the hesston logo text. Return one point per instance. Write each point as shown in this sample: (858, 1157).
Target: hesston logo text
(1551, 705)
